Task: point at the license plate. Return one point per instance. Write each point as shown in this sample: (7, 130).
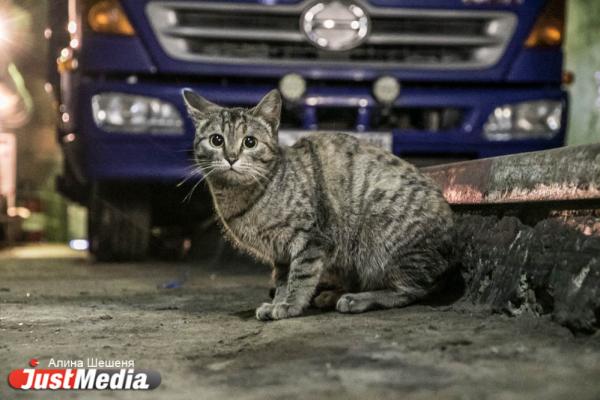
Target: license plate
(379, 139)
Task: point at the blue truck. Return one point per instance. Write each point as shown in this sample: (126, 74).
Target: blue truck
(431, 80)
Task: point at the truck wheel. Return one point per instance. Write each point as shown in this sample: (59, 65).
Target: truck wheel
(118, 223)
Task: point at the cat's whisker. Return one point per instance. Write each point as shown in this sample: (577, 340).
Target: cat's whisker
(261, 169)
(253, 169)
(261, 176)
(189, 195)
(193, 174)
(193, 168)
(204, 163)
(191, 192)
(253, 174)
(196, 170)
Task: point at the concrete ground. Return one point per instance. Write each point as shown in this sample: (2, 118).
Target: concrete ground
(206, 344)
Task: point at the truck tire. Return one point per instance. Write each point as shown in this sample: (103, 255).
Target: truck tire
(118, 223)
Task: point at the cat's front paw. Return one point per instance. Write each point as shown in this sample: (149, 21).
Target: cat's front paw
(263, 313)
(269, 311)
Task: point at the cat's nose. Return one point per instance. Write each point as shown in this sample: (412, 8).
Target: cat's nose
(230, 160)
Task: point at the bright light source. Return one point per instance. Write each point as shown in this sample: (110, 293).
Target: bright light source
(329, 24)
(20, 212)
(539, 119)
(14, 26)
(386, 89)
(79, 244)
(292, 87)
(107, 16)
(126, 113)
(72, 27)
(8, 101)
(549, 28)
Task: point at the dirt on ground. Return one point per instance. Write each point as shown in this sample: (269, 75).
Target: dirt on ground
(205, 342)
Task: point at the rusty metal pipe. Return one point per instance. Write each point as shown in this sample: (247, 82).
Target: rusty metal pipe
(564, 174)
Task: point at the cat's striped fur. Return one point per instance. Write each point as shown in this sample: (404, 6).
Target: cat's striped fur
(329, 209)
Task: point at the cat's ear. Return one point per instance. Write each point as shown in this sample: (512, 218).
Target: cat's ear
(197, 106)
(269, 109)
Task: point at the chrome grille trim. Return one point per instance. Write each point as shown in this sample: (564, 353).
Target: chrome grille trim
(399, 38)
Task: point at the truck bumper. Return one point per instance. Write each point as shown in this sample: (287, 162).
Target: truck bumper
(167, 158)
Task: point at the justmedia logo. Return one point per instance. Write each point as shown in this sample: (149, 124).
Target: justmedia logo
(83, 378)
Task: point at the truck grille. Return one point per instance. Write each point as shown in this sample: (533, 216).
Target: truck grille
(408, 38)
(397, 118)
(414, 119)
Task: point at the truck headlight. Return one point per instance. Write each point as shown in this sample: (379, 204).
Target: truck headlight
(540, 119)
(126, 113)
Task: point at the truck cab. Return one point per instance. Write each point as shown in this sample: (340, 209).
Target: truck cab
(430, 80)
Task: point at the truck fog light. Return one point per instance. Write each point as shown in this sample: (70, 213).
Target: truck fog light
(540, 119)
(386, 89)
(126, 113)
(292, 87)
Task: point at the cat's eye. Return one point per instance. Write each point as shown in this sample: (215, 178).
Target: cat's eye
(250, 142)
(216, 140)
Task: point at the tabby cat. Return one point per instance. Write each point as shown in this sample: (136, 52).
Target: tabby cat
(330, 211)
